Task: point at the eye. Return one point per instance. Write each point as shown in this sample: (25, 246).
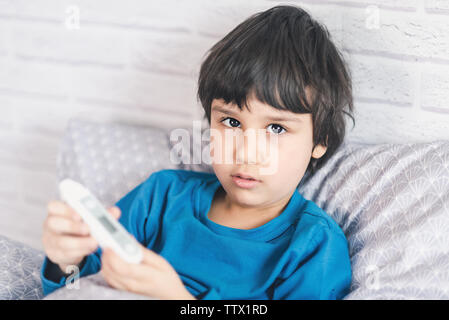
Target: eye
(231, 121)
(278, 129)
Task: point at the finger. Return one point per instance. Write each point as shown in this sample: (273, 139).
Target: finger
(135, 273)
(79, 254)
(111, 280)
(123, 268)
(112, 261)
(124, 283)
(115, 212)
(64, 225)
(68, 242)
(60, 208)
(67, 256)
(152, 258)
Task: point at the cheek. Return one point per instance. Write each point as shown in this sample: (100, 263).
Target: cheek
(292, 154)
(217, 147)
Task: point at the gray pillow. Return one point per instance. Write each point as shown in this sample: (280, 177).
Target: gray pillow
(19, 271)
(111, 159)
(93, 287)
(392, 202)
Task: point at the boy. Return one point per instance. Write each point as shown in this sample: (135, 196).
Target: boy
(236, 233)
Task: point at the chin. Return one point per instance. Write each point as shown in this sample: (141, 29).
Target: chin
(244, 197)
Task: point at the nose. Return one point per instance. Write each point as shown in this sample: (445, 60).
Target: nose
(252, 143)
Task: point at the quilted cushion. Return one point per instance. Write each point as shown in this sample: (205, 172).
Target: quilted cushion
(392, 202)
(111, 159)
(93, 287)
(19, 271)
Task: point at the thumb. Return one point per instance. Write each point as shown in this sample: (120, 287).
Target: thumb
(115, 212)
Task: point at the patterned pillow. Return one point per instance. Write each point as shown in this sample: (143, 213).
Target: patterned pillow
(93, 287)
(392, 202)
(19, 271)
(111, 159)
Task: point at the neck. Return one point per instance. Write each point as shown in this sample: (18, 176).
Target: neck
(265, 213)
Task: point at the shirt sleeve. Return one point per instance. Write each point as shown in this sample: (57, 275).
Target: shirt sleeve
(134, 208)
(324, 273)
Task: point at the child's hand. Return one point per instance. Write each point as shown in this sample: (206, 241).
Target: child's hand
(153, 277)
(66, 238)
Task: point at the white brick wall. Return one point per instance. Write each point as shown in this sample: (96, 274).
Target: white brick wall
(137, 61)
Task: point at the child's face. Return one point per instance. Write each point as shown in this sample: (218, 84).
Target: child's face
(280, 173)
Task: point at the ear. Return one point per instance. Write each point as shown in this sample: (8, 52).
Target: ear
(318, 151)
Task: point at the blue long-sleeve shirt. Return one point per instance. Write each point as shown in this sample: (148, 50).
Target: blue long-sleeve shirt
(300, 254)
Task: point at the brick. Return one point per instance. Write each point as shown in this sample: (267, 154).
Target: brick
(382, 79)
(393, 125)
(399, 35)
(10, 184)
(22, 77)
(434, 89)
(34, 115)
(406, 5)
(136, 89)
(39, 117)
(168, 52)
(7, 118)
(437, 6)
(103, 113)
(4, 38)
(167, 15)
(49, 119)
(55, 42)
(29, 150)
(44, 10)
(39, 187)
(217, 19)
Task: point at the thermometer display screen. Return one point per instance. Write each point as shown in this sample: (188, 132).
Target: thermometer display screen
(95, 208)
(108, 225)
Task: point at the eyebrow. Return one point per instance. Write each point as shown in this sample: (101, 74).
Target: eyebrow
(271, 118)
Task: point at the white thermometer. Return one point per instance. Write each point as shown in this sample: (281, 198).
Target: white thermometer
(104, 228)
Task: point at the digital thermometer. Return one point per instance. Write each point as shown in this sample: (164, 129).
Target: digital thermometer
(104, 228)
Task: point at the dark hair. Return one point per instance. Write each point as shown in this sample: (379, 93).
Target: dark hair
(277, 54)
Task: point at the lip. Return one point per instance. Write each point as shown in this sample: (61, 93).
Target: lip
(244, 183)
(244, 176)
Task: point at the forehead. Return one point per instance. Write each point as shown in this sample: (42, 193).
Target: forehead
(259, 109)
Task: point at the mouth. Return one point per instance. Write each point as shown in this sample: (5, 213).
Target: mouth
(244, 181)
(244, 176)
